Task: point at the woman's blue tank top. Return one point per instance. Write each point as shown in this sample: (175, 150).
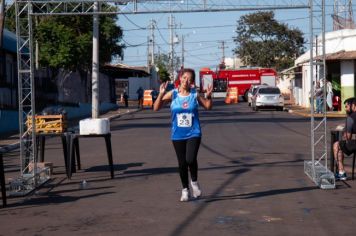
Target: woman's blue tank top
(185, 117)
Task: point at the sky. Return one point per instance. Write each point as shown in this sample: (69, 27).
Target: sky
(203, 34)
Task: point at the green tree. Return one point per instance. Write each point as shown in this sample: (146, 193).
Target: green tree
(10, 22)
(263, 41)
(66, 41)
(162, 62)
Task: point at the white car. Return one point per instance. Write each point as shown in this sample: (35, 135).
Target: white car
(267, 97)
(251, 92)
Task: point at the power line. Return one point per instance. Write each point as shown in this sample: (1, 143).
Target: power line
(202, 59)
(203, 48)
(139, 27)
(134, 45)
(224, 26)
(160, 34)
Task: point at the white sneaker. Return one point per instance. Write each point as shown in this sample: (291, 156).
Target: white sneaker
(196, 189)
(185, 195)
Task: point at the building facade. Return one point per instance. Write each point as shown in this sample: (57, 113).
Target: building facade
(340, 55)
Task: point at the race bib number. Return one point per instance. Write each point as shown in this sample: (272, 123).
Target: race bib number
(184, 119)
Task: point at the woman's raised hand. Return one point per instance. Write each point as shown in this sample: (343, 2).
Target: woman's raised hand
(209, 90)
(163, 87)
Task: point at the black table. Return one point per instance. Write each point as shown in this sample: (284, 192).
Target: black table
(65, 137)
(74, 146)
(2, 181)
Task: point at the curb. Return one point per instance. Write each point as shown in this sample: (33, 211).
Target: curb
(304, 114)
(16, 145)
(123, 114)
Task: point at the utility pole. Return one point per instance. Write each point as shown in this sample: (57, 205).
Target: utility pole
(223, 51)
(222, 63)
(152, 42)
(148, 53)
(182, 51)
(171, 27)
(95, 65)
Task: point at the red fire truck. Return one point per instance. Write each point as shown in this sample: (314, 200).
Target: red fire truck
(241, 78)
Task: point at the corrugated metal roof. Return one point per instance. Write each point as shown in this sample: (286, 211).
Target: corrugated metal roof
(120, 65)
(342, 55)
(124, 71)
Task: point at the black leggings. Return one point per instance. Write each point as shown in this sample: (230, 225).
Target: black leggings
(187, 152)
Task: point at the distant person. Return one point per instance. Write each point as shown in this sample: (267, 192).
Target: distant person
(312, 104)
(319, 95)
(140, 97)
(185, 131)
(329, 95)
(347, 145)
(126, 98)
(154, 95)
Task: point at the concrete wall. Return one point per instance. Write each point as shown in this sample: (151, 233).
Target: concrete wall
(135, 83)
(9, 121)
(7, 94)
(347, 71)
(304, 93)
(335, 41)
(8, 97)
(72, 88)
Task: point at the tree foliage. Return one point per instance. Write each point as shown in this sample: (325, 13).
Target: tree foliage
(10, 22)
(263, 41)
(162, 62)
(66, 41)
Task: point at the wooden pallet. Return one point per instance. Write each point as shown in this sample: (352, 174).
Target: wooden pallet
(48, 123)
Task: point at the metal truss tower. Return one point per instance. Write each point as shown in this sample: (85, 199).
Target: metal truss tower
(26, 9)
(343, 15)
(317, 168)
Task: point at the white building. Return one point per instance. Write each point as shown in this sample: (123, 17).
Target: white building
(233, 63)
(340, 50)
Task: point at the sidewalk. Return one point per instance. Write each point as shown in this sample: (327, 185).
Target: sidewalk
(12, 142)
(305, 112)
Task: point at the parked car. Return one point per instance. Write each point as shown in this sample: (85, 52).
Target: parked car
(251, 92)
(267, 97)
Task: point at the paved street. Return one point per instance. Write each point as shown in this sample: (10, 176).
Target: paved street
(250, 170)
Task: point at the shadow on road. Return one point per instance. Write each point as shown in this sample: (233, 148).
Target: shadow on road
(53, 199)
(117, 167)
(182, 226)
(258, 194)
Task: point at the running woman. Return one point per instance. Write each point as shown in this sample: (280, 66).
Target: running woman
(186, 132)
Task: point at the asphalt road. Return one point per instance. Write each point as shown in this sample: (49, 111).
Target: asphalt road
(250, 170)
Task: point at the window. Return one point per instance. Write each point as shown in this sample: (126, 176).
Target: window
(219, 85)
(269, 91)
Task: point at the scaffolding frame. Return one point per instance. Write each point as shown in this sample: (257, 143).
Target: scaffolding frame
(317, 167)
(26, 9)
